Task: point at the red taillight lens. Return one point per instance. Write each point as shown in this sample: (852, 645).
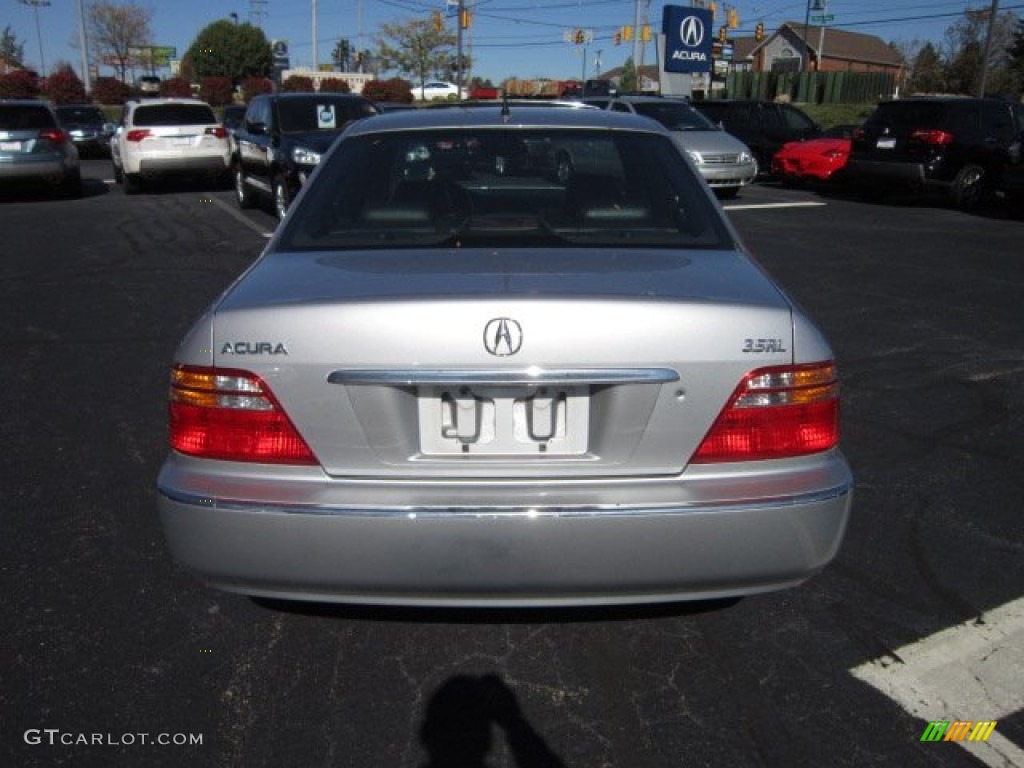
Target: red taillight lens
(776, 413)
(229, 414)
(54, 135)
(219, 131)
(932, 136)
(137, 135)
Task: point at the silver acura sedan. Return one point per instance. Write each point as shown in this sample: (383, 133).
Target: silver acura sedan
(459, 375)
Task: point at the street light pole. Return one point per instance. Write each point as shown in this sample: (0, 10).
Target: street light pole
(83, 43)
(316, 63)
(35, 4)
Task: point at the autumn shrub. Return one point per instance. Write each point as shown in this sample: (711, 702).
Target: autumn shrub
(20, 84)
(254, 86)
(176, 87)
(64, 87)
(110, 90)
(335, 85)
(298, 84)
(396, 90)
(216, 91)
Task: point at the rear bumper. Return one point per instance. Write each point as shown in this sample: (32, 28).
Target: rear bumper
(878, 172)
(507, 555)
(42, 167)
(184, 165)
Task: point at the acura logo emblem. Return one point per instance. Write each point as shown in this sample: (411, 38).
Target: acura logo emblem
(503, 336)
(691, 31)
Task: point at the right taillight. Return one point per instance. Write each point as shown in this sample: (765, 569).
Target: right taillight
(776, 413)
(932, 136)
(230, 414)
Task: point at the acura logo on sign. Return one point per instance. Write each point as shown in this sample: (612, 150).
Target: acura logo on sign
(691, 31)
(503, 336)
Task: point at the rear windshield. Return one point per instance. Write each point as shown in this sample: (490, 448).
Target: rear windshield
(174, 114)
(80, 115)
(491, 187)
(15, 117)
(909, 114)
(304, 116)
(675, 116)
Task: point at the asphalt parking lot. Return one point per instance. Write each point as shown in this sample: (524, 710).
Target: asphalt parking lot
(113, 656)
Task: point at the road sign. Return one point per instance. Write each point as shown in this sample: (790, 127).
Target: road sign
(824, 19)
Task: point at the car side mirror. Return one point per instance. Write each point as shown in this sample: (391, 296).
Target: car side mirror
(109, 127)
(259, 129)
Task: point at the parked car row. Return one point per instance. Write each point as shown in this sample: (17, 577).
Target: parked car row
(967, 149)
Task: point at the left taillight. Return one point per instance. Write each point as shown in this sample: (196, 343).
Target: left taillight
(231, 414)
(54, 135)
(776, 413)
(138, 134)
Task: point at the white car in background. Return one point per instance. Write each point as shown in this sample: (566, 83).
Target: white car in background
(439, 89)
(157, 138)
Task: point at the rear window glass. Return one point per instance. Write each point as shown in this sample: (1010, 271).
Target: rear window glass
(80, 114)
(499, 187)
(909, 114)
(15, 117)
(675, 117)
(174, 114)
(303, 116)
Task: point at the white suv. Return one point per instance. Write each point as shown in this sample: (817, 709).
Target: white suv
(163, 137)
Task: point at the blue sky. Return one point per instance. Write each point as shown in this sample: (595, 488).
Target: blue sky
(521, 38)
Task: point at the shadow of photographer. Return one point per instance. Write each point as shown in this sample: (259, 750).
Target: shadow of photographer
(457, 728)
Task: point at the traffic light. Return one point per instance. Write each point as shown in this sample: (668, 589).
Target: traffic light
(645, 33)
(713, 7)
(723, 34)
(627, 33)
(438, 21)
(759, 32)
(733, 18)
(465, 18)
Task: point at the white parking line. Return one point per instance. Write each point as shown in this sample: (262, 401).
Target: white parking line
(973, 671)
(229, 209)
(756, 206)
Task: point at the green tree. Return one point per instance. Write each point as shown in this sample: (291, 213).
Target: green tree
(11, 50)
(415, 48)
(965, 47)
(1015, 51)
(115, 29)
(342, 54)
(236, 51)
(628, 82)
(927, 73)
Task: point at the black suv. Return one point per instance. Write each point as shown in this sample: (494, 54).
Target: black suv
(764, 126)
(957, 144)
(281, 139)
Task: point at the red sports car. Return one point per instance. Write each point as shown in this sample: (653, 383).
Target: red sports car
(816, 159)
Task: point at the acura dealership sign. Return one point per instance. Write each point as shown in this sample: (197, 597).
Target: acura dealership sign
(688, 37)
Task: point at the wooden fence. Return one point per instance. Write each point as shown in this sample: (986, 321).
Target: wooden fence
(810, 87)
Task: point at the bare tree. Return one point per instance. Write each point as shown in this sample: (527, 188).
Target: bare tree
(114, 29)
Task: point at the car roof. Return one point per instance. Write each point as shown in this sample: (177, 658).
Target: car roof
(309, 95)
(165, 100)
(480, 116)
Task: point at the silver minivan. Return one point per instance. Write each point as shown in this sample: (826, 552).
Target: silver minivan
(725, 162)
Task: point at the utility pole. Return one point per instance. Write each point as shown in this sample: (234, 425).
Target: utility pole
(84, 45)
(983, 80)
(315, 57)
(35, 4)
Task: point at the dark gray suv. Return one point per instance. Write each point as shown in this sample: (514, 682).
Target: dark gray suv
(956, 145)
(34, 148)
